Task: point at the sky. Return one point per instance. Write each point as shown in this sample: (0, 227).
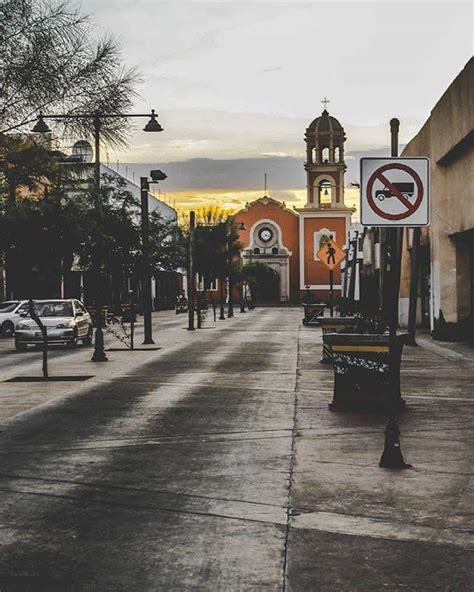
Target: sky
(236, 84)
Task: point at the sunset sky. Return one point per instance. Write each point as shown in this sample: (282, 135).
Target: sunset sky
(236, 84)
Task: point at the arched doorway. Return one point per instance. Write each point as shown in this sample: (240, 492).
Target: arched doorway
(264, 283)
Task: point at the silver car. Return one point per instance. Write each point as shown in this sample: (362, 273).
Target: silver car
(66, 322)
(10, 314)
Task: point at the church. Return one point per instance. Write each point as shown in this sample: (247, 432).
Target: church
(288, 240)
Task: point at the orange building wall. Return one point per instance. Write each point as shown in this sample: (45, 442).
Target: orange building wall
(289, 224)
(316, 272)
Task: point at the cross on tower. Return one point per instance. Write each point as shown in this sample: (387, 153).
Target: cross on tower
(325, 102)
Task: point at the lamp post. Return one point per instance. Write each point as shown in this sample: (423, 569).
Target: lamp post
(97, 117)
(156, 177)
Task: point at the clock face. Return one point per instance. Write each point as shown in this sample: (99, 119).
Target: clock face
(265, 235)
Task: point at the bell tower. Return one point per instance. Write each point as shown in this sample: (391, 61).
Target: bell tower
(325, 166)
(324, 213)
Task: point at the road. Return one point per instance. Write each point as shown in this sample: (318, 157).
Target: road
(172, 477)
(214, 464)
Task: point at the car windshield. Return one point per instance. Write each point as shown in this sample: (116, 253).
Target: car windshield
(53, 309)
(8, 306)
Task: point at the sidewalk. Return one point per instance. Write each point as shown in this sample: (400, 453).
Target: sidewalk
(358, 527)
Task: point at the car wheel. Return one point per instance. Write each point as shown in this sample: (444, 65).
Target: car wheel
(7, 329)
(88, 338)
(20, 347)
(73, 342)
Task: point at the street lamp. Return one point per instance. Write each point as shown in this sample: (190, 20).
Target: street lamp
(97, 117)
(156, 177)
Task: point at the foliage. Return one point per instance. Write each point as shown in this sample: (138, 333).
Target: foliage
(104, 232)
(217, 251)
(212, 215)
(41, 230)
(207, 216)
(26, 164)
(50, 61)
(167, 243)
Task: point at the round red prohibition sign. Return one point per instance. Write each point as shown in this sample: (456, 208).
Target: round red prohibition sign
(410, 207)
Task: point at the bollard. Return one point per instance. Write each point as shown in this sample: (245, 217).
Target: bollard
(392, 457)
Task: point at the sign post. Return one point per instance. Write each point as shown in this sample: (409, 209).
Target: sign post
(394, 194)
(331, 255)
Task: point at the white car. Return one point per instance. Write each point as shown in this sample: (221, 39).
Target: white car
(10, 314)
(66, 322)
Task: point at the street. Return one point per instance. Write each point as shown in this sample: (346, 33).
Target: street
(213, 463)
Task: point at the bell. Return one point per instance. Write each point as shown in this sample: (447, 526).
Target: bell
(153, 125)
(41, 126)
(326, 192)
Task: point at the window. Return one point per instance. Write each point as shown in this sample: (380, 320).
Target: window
(201, 284)
(337, 154)
(325, 154)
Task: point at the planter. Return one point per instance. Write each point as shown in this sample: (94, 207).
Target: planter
(312, 314)
(334, 325)
(366, 372)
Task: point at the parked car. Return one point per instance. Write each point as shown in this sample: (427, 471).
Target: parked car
(10, 315)
(66, 322)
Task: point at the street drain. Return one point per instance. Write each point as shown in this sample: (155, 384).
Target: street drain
(50, 379)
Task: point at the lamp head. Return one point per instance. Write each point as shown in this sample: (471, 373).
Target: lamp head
(153, 125)
(41, 126)
(158, 175)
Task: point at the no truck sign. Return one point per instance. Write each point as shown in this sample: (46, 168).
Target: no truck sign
(394, 191)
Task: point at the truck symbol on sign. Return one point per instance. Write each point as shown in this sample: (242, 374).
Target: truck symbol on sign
(407, 189)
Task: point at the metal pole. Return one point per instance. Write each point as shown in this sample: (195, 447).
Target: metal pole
(352, 280)
(230, 308)
(414, 267)
(395, 244)
(392, 457)
(146, 274)
(132, 321)
(99, 353)
(331, 292)
(241, 296)
(192, 224)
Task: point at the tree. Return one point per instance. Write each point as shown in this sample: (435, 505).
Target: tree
(51, 62)
(167, 243)
(25, 164)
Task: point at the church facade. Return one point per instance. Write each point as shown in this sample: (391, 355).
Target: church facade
(288, 240)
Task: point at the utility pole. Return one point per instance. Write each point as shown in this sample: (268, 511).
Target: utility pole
(146, 273)
(191, 279)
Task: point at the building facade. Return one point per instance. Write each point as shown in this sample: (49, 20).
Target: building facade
(288, 240)
(446, 280)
